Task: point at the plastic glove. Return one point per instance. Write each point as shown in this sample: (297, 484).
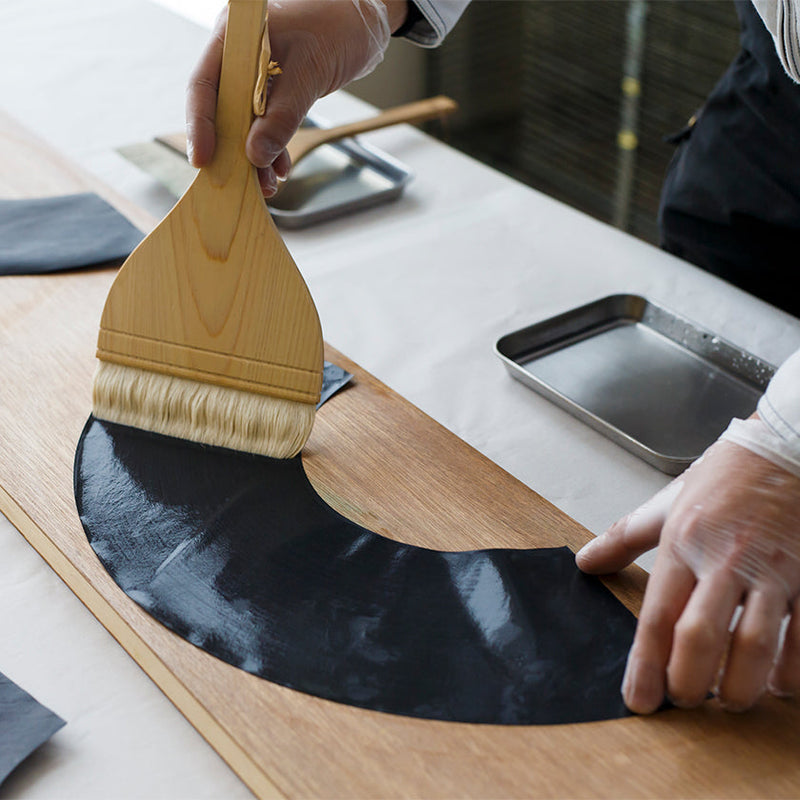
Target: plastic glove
(728, 532)
(321, 45)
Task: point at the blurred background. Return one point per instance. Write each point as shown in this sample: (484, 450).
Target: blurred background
(572, 97)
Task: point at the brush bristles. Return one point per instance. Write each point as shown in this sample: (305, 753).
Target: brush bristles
(201, 412)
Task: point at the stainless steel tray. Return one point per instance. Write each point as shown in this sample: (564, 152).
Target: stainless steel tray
(337, 179)
(654, 382)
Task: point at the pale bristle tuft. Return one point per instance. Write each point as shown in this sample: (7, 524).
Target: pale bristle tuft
(201, 412)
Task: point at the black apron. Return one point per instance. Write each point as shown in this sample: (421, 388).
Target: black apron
(731, 198)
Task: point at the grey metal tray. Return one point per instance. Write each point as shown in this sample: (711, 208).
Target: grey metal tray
(337, 179)
(654, 382)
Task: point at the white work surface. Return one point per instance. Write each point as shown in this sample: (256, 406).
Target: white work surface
(416, 291)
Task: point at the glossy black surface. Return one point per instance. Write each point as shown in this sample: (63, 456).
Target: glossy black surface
(48, 234)
(239, 555)
(25, 725)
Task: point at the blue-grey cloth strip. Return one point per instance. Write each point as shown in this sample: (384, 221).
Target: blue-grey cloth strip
(333, 379)
(25, 725)
(50, 234)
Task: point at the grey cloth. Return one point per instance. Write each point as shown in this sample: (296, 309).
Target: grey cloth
(25, 725)
(333, 379)
(49, 234)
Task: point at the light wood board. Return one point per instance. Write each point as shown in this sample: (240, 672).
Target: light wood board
(386, 465)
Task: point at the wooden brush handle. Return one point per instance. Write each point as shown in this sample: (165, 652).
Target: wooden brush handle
(307, 139)
(240, 60)
(418, 111)
(222, 186)
(212, 294)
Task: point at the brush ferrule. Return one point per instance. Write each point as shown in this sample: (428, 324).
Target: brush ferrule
(221, 369)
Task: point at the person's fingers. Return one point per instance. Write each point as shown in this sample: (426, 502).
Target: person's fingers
(668, 591)
(752, 649)
(616, 548)
(784, 681)
(270, 134)
(629, 537)
(700, 639)
(290, 95)
(267, 180)
(282, 165)
(201, 97)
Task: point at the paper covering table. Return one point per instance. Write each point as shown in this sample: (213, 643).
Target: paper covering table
(415, 293)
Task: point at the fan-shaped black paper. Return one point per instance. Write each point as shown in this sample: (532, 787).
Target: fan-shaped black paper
(239, 555)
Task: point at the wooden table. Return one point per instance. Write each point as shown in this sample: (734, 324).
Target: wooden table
(442, 494)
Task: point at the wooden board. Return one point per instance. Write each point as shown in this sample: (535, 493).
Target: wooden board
(386, 465)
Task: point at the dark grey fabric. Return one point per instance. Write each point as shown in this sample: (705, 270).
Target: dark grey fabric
(25, 725)
(731, 197)
(49, 234)
(333, 379)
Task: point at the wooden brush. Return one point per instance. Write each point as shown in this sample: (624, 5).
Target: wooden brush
(209, 332)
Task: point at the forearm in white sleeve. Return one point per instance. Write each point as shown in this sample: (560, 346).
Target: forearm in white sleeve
(438, 19)
(782, 18)
(775, 435)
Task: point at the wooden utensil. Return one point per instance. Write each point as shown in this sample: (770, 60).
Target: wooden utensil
(212, 295)
(309, 138)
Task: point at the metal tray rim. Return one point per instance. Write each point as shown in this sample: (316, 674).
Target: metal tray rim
(374, 157)
(670, 464)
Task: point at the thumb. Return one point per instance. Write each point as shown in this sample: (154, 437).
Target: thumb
(630, 536)
(270, 134)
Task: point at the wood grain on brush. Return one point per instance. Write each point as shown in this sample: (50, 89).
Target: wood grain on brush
(212, 295)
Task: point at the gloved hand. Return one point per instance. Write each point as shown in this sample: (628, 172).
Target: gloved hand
(320, 45)
(728, 531)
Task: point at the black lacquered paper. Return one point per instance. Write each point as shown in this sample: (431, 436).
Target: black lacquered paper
(49, 234)
(239, 555)
(25, 725)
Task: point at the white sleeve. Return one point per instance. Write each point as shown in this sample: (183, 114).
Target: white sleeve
(775, 434)
(782, 18)
(779, 406)
(439, 18)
